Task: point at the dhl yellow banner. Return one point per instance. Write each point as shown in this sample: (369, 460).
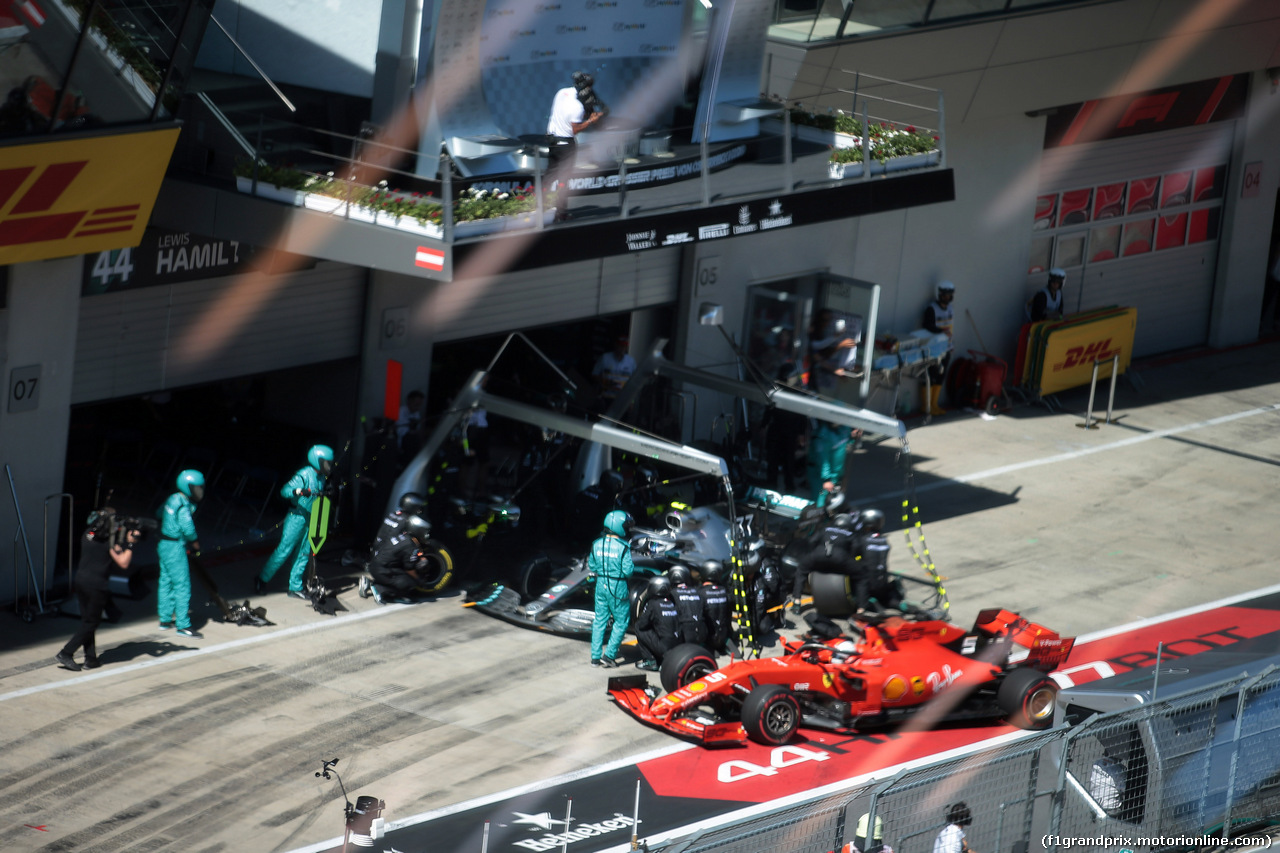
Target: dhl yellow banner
(74, 196)
(1069, 353)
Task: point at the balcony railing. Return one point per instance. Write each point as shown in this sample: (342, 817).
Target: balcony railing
(871, 127)
(827, 20)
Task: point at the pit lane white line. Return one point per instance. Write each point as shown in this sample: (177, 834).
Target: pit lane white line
(803, 796)
(1089, 451)
(206, 650)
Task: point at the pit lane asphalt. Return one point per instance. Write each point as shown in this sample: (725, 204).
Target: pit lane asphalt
(213, 744)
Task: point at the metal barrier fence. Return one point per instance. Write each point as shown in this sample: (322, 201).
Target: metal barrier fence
(1161, 776)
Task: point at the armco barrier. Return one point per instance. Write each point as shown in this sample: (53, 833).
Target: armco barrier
(1154, 777)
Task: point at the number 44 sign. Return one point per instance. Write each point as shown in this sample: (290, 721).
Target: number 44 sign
(113, 267)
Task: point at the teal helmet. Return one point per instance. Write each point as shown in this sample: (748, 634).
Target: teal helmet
(318, 455)
(191, 484)
(618, 523)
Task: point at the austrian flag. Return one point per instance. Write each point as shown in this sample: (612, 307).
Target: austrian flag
(432, 259)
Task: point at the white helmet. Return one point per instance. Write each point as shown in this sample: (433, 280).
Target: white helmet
(1058, 273)
(946, 287)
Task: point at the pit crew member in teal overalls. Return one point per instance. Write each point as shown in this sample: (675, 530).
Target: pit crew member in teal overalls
(177, 530)
(301, 491)
(828, 445)
(609, 561)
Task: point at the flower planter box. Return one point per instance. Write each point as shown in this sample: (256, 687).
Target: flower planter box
(324, 203)
(478, 227)
(409, 224)
(265, 190)
(809, 133)
(893, 164)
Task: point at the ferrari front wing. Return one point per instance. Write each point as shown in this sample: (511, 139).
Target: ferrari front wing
(633, 694)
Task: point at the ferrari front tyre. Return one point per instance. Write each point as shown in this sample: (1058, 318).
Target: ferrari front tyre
(831, 594)
(685, 664)
(771, 714)
(437, 568)
(1026, 697)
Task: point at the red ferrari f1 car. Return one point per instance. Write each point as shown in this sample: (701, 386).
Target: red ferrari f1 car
(893, 669)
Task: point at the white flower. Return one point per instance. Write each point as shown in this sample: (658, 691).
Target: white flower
(504, 196)
(382, 184)
(328, 174)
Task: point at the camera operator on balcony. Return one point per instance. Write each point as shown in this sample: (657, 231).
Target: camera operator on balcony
(574, 109)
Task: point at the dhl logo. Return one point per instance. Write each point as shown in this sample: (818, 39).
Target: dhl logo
(79, 195)
(28, 220)
(1088, 354)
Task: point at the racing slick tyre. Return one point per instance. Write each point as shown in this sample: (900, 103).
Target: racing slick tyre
(771, 714)
(1026, 697)
(831, 594)
(540, 574)
(436, 570)
(686, 663)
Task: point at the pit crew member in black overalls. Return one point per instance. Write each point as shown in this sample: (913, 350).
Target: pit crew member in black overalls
(658, 625)
(834, 551)
(715, 608)
(688, 604)
(411, 504)
(874, 587)
(394, 566)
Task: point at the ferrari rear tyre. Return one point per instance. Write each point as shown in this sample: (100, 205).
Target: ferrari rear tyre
(685, 664)
(831, 594)
(437, 570)
(1026, 697)
(540, 574)
(771, 714)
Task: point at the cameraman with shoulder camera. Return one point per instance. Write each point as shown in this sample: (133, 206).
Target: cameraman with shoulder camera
(103, 547)
(574, 109)
(177, 535)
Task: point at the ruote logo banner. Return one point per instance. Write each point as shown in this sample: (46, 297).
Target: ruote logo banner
(75, 196)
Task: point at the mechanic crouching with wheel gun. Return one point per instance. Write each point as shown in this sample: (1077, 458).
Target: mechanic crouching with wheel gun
(395, 522)
(609, 562)
(395, 563)
(658, 625)
(301, 491)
